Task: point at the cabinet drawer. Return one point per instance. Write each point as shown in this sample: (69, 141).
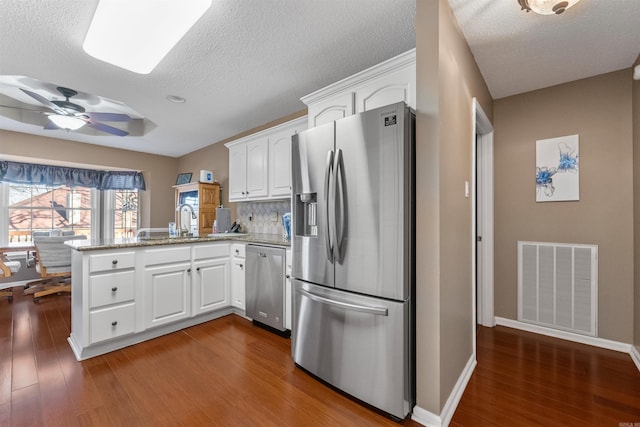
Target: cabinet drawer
(238, 250)
(113, 261)
(112, 322)
(111, 288)
(179, 253)
(211, 251)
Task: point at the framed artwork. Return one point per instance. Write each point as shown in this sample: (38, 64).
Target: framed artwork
(557, 169)
(183, 178)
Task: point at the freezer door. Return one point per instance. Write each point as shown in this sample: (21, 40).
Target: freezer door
(312, 154)
(373, 202)
(357, 344)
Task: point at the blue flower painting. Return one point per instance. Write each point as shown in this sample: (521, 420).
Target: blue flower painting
(544, 181)
(557, 169)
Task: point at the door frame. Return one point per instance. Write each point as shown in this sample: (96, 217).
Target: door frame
(483, 292)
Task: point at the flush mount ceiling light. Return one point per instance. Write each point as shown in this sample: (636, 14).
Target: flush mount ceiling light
(136, 35)
(66, 122)
(547, 7)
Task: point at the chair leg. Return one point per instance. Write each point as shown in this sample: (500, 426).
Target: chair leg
(52, 289)
(7, 293)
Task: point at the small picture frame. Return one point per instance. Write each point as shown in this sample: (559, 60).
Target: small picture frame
(183, 178)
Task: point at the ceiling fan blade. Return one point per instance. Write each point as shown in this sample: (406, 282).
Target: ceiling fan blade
(108, 129)
(50, 125)
(109, 117)
(44, 101)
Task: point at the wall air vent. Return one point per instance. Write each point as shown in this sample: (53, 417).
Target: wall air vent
(558, 286)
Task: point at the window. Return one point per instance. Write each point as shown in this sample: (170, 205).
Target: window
(40, 207)
(125, 221)
(32, 208)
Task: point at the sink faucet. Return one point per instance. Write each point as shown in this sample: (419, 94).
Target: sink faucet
(184, 231)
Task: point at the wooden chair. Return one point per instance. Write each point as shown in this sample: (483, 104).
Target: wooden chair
(8, 268)
(53, 262)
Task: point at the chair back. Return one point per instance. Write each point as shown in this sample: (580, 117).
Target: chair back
(53, 256)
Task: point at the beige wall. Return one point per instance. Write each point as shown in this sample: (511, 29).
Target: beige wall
(447, 80)
(216, 157)
(599, 110)
(636, 208)
(159, 171)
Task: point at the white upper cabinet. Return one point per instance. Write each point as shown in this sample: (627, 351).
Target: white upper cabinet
(389, 82)
(238, 172)
(260, 164)
(257, 168)
(248, 170)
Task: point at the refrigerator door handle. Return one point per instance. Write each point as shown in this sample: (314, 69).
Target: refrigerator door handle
(378, 311)
(327, 185)
(340, 192)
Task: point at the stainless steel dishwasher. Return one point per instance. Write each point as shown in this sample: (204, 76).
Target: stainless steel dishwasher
(265, 273)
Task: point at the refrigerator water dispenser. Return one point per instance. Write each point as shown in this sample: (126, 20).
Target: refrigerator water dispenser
(307, 223)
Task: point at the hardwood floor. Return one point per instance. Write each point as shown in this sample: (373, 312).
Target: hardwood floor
(223, 373)
(525, 379)
(230, 373)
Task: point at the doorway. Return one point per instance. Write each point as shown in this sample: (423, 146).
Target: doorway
(482, 202)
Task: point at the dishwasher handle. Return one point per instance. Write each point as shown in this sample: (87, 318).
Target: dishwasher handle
(378, 311)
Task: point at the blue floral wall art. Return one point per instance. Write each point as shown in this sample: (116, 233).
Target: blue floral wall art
(557, 169)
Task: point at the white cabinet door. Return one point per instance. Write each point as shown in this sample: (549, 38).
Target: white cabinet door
(257, 168)
(334, 108)
(211, 285)
(237, 283)
(280, 163)
(387, 89)
(167, 293)
(238, 172)
(288, 295)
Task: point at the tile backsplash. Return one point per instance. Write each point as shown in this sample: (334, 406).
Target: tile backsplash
(262, 216)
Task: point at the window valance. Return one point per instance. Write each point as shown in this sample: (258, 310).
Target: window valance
(28, 173)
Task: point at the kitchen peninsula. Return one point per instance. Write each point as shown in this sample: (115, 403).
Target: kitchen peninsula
(126, 291)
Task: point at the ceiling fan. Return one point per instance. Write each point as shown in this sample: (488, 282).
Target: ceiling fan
(70, 116)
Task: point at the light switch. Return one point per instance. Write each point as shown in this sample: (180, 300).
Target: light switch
(466, 189)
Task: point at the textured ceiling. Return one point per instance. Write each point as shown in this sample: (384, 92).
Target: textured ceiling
(248, 62)
(245, 63)
(518, 51)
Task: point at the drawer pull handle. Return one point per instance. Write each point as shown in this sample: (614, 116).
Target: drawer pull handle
(188, 270)
(114, 323)
(288, 276)
(114, 262)
(198, 269)
(241, 265)
(115, 288)
(237, 252)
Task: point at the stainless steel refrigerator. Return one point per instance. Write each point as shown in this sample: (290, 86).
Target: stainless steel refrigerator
(353, 256)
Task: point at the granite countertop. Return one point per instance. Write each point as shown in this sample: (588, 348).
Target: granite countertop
(134, 242)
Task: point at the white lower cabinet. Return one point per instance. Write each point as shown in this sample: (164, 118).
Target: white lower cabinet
(113, 322)
(124, 296)
(210, 285)
(111, 296)
(288, 295)
(237, 276)
(196, 281)
(167, 284)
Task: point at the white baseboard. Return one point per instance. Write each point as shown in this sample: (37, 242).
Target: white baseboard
(569, 336)
(430, 419)
(635, 356)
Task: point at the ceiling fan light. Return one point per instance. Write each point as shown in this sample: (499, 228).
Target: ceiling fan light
(547, 7)
(66, 122)
(136, 35)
